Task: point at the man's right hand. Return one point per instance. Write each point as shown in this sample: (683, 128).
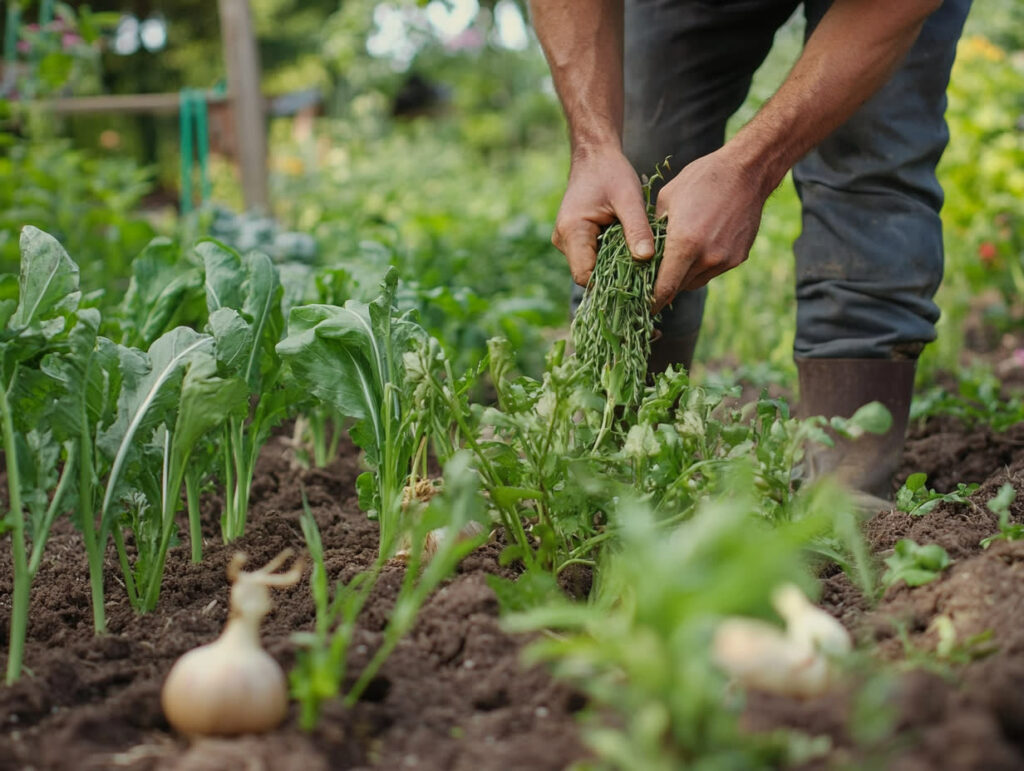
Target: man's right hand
(602, 187)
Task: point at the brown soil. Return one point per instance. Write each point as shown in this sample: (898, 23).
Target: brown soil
(950, 452)
(964, 711)
(453, 696)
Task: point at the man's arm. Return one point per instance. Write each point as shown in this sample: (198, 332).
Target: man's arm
(582, 40)
(714, 205)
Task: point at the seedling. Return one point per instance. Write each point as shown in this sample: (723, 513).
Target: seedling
(915, 564)
(916, 499)
(1000, 506)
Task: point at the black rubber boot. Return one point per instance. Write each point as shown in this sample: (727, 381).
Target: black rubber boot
(674, 351)
(840, 387)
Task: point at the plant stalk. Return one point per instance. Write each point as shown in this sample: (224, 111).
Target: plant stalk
(22, 580)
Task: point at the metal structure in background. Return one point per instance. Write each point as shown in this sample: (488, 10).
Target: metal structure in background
(242, 110)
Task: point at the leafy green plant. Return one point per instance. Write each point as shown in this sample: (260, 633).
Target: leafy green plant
(351, 359)
(33, 324)
(243, 297)
(978, 401)
(640, 649)
(164, 291)
(914, 564)
(1000, 506)
(916, 499)
(87, 203)
(162, 410)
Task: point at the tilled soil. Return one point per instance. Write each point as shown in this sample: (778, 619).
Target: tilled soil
(454, 694)
(963, 711)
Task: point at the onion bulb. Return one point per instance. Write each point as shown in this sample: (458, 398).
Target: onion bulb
(233, 686)
(799, 661)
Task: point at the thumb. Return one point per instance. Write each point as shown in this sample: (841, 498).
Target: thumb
(633, 215)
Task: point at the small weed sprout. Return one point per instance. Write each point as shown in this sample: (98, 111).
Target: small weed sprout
(916, 499)
(1000, 506)
(915, 564)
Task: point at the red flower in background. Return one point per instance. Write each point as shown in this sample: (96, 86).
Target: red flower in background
(987, 252)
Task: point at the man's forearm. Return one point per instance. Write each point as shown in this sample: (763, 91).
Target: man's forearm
(582, 40)
(851, 54)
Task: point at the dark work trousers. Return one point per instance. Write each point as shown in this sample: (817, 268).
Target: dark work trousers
(869, 259)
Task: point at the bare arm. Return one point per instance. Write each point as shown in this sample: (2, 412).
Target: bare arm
(714, 205)
(582, 40)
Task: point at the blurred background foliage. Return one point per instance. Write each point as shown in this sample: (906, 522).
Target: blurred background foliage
(440, 148)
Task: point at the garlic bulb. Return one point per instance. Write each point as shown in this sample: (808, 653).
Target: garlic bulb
(797, 662)
(232, 685)
(808, 623)
(414, 497)
(758, 655)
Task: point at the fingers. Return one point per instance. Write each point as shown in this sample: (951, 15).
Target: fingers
(681, 252)
(696, 279)
(578, 242)
(629, 208)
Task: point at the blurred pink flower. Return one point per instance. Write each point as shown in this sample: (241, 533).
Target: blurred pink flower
(987, 251)
(470, 39)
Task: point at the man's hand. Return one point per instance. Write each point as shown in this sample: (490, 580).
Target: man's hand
(602, 188)
(713, 207)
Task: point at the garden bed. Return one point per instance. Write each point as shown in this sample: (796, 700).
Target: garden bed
(453, 695)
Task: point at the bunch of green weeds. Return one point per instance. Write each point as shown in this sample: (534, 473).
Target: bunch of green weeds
(614, 326)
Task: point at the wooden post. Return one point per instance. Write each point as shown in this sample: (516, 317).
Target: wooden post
(243, 65)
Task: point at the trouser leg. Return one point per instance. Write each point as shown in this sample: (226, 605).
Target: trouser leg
(870, 257)
(688, 68)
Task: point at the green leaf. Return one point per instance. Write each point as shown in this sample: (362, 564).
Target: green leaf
(150, 391)
(873, 418)
(162, 289)
(252, 289)
(48, 280)
(206, 402)
(81, 375)
(916, 482)
(224, 275)
(262, 306)
(234, 338)
(508, 496)
(1003, 499)
(366, 490)
(347, 356)
(914, 563)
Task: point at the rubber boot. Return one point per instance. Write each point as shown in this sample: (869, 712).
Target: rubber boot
(674, 351)
(840, 387)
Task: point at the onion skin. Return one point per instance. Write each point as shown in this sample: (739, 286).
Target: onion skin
(799, 661)
(232, 686)
(225, 688)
